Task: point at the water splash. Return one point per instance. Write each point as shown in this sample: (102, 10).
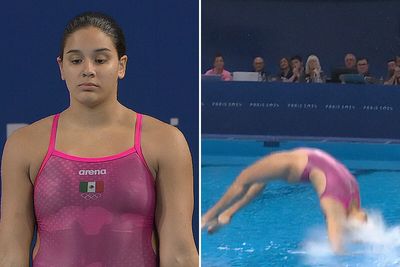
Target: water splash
(371, 244)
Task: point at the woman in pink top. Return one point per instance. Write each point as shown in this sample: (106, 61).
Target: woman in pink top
(102, 182)
(336, 187)
(219, 69)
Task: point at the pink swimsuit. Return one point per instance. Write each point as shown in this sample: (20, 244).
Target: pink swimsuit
(95, 212)
(340, 183)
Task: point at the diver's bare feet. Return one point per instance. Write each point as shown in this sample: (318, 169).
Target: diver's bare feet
(203, 222)
(223, 219)
(206, 220)
(212, 226)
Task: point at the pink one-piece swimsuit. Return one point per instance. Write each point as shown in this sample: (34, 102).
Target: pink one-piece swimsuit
(340, 183)
(95, 212)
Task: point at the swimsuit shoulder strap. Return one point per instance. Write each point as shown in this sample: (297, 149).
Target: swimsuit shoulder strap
(138, 132)
(51, 146)
(138, 140)
(53, 134)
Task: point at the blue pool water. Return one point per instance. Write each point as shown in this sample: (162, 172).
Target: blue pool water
(284, 226)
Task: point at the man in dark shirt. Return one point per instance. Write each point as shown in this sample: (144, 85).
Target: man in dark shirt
(350, 67)
(363, 69)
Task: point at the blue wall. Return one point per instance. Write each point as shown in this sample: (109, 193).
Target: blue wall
(241, 29)
(304, 111)
(159, 34)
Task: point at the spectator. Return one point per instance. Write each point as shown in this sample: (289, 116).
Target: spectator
(395, 79)
(296, 63)
(363, 69)
(350, 61)
(258, 66)
(350, 67)
(314, 73)
(391, 64)
(398, 61)
(219, 69)
(285, 70)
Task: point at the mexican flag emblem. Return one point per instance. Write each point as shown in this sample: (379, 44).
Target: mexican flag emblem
(91, 187)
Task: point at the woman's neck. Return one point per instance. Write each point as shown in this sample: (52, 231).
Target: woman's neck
(100, 115)
(218, 71)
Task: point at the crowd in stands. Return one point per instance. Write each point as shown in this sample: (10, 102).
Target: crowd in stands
(293, 70)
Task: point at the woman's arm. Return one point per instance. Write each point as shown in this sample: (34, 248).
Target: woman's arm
(292, 78)
(390, 81)
(175, 202)
(335, 219)
(17, 218)
(335, 233)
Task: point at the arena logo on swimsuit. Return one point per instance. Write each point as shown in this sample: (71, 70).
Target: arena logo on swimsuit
(93, 172)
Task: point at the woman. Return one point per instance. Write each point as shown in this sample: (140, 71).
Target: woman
(395, 78)
(336, 187)
(106, 181)
(285, 71)
(314, 73)
(218, 69)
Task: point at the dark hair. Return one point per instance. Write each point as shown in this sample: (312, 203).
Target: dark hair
(286, 58)
(362, 58)
(218, 55)
(391, 60)
(101, 21)
(296, 57)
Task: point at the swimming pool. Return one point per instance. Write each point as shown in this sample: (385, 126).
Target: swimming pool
(284, 226)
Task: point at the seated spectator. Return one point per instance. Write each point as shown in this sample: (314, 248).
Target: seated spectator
(219, 69)
(350, 61)
(395, 79)
(285, 70)
(296, 63)
(350, 67)
(391, 64)
(398, 61)
(363, 69)
(314, 73)
(258, 66)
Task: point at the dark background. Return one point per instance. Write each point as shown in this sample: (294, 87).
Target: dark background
(159, 34)
(243, 29)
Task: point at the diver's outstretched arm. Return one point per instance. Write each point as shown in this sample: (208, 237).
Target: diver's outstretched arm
(335, 233)
(274, 166)
(335, 219)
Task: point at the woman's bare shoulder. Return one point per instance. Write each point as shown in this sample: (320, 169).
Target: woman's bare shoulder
(30, 140)
(159, 130)
(32, 133)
